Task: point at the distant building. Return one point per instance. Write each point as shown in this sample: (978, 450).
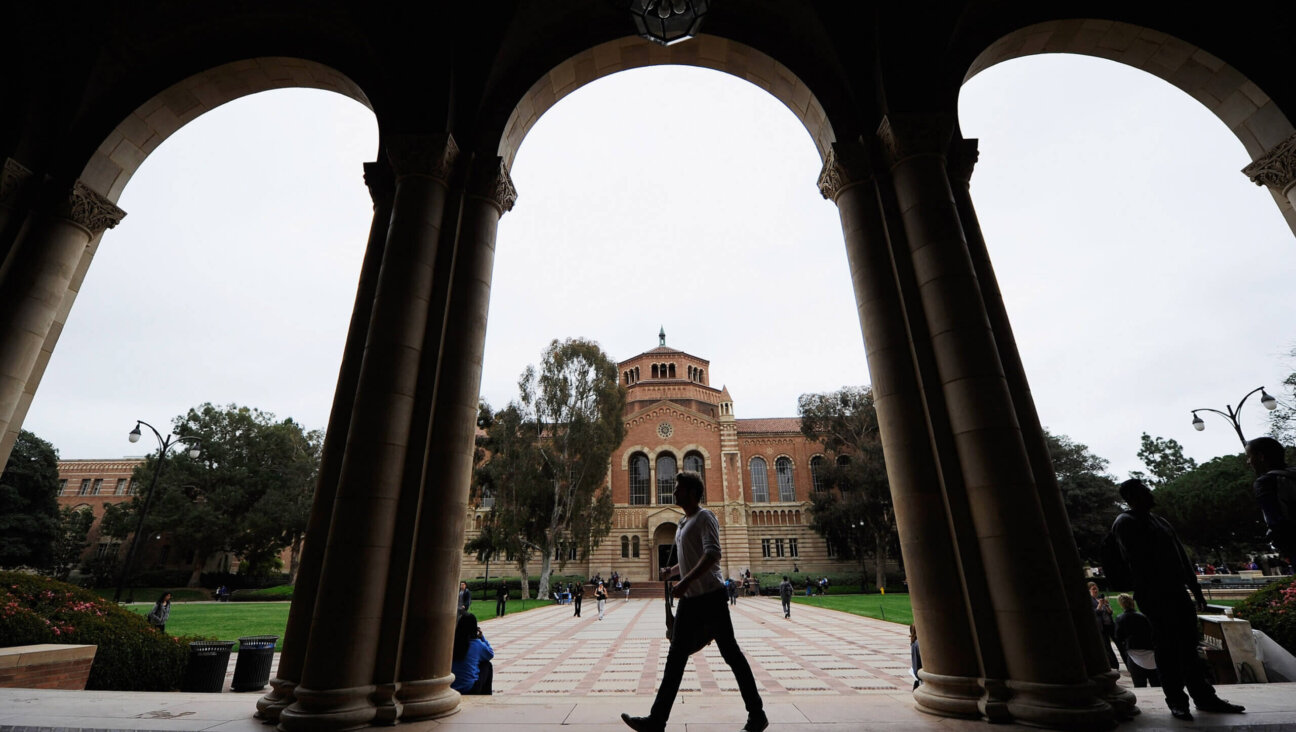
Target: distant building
(759, 476)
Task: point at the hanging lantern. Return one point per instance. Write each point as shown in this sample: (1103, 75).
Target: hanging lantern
(668, 21)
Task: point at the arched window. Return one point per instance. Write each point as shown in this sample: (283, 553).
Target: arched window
(477, 522)
(666, 468)
(625, 547)
(639, 479)
(783, 468)
(634, 547)
(693, 461)
(487, 498)
(672, 370)
(816, 468)
(759, 481)
(654, 371)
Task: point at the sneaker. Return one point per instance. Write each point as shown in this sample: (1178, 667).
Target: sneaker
(756, 722)
(644, 724)
(1220, 705)
(1181, 713)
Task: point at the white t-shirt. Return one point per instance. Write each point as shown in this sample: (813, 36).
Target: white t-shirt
(697, 536)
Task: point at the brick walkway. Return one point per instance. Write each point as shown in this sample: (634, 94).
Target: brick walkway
(547, 652)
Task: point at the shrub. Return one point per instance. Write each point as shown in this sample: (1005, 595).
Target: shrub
(1272, 610)
(131, 655)
(161, 578)
(268, 594)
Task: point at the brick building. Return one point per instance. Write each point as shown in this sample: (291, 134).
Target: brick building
(759, 475)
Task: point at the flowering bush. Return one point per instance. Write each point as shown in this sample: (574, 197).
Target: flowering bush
(1273, 610)
(131, 655)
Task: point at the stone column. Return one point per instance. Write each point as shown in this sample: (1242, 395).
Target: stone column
(962, 158)
(1045, 663)
(37, 273)
(430, 619)
(1277, 170)
(378, 177)
(337, 678)
(950, 664)
(15, 184)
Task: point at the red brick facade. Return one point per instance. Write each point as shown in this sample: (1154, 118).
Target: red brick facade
(758, 475)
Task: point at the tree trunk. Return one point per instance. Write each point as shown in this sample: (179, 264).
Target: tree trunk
(526, 579)
(546, 569)
(200, 561)
(294, 559)
(881, 556)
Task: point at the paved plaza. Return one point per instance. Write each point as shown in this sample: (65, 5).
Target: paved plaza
(820, 671)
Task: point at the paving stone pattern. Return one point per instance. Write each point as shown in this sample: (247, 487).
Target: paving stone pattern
(547, 652)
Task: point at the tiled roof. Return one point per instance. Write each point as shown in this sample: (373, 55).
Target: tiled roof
(771, 424)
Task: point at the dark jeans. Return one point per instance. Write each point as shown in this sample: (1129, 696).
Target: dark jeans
(787, 606)
(499, 606)
(707, 614)
(485, 678)
(577, 603)
(1175, 621)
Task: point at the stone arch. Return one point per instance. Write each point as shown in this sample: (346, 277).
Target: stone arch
(1246, 109)
(705, 51)
(124, 149)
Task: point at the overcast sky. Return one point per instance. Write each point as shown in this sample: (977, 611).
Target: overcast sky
(1144, 274)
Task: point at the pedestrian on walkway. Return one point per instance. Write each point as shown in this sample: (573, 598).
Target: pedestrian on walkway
(465, 598)
(600, 594)
(1163, 576)
(501, 600)
(703, 615)
(785, 594)
(625, 585)
(577, 595)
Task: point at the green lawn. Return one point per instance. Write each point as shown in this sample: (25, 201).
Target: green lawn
(894, 608)
(151, 594)
(231, 620)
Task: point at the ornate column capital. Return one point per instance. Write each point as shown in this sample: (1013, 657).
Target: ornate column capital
(431, 155)
(847, 163)
(87, 209)
(961, 159)
(488, 179)
(380, 182)
(906, 135)
(13, 178)
(1276, 168)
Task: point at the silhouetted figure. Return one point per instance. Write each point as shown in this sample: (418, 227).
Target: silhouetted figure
(703, 613)
(1275, 491)
(501, 600)
(1163, 576)
(577, 596)
(785, 594)
(1137, 641)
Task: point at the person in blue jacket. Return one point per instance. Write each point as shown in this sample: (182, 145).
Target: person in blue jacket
(472, 667)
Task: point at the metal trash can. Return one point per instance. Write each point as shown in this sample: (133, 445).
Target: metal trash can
(205, 671)
(255, 656)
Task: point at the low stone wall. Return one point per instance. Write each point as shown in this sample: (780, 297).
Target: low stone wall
(47, 666)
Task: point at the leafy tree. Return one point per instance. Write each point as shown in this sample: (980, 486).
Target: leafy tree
(1282, 421)
(549, 453)
(1213, 510)
(29, 513)
(854, 513)
(1164, 458)
(74, 526)
(1091, 497)
(248, 492)
(508, 473)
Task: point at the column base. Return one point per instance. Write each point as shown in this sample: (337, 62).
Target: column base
(948, 696)
(1060, 706)
(387, 710)
(1122, 701)
(276, 700)
(994, 700)
(428, 698)
(332, 710)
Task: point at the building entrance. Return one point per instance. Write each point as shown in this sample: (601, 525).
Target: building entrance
(664, 540)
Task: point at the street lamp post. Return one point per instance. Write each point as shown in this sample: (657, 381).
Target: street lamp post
(163, 446)
(1232, 415)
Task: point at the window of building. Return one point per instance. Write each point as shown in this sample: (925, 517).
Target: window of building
(666, 479)
(765, 548)
(62, 487)
(693, 461)
(639, 480)
(816, 470)
(671, 370)
(572, 551)
(625, 547)
(783, 469)
(792, 548)
(634, 547)
(759, 480)
(487, 498)
(832, 550)
(121, 487)
(98, 486)
(102, 550)
(778, 547)
(85, 487)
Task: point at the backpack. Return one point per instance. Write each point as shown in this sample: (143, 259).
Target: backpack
(1114, 566)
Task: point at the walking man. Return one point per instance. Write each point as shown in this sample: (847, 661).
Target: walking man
(1275, 491)
(577, 594)
(785, 594)
(501, 600)
(703, 614)
(1163, 576)
(465, 598)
